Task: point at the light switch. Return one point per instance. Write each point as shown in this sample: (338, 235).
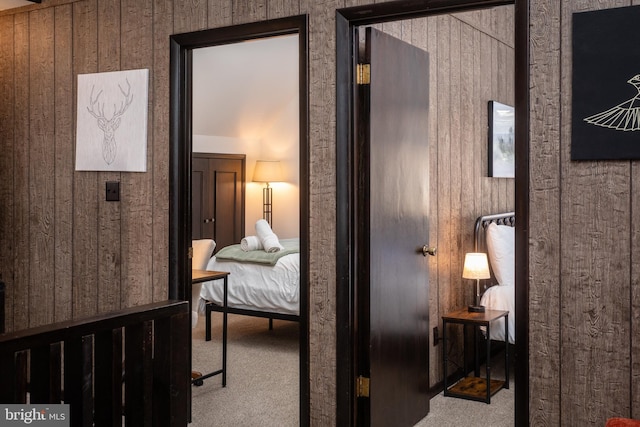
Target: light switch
(113, 191)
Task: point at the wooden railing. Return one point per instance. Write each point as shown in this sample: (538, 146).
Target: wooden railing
(85, 363)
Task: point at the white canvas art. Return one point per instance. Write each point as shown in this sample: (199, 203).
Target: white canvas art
(111, 131)
(501, 140)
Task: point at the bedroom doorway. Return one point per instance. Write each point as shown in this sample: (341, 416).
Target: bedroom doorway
(189, 135)
(348, 21)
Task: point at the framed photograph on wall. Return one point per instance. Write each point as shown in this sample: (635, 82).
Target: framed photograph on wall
(605, 115)
(501, 140)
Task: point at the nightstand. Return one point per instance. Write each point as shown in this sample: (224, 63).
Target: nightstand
(475, 387)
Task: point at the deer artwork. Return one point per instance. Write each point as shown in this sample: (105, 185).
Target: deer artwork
(109, 126)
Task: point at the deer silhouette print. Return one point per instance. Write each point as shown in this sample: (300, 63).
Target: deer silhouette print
(109, 126)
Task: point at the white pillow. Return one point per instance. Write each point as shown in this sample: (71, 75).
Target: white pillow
(202, 251)
(501, 248)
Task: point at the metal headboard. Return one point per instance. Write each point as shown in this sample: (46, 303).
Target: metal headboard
(479, 241)
(507, 218)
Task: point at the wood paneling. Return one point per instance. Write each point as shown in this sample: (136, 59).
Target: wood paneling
(99, 256)
(85, 187)
(544, 261)
(594, 289)
(249, 11)
(220, 13)
(189, 15)
(109, 283)
(322, 268)
(137, 188)
(21, 236)
(64, 162)
(162, 29)
(582, 260)
(7, 148)
(41, 166)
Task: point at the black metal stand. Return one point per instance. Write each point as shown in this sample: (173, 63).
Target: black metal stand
(267, 203)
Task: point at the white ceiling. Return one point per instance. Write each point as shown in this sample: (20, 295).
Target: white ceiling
(10, 4)
(240, 88)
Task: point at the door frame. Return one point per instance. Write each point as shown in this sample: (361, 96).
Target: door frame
(180, 146)
(346, 164)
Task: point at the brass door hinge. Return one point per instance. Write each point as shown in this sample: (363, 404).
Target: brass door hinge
(363, 74)
(362, 386)
(190, 254)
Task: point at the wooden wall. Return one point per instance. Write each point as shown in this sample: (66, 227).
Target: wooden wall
(65, 252)
(584, 249)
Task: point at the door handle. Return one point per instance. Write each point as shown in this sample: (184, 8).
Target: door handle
(429, 250)
(208, 220)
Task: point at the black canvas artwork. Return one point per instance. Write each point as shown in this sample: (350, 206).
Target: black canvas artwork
(606, 85)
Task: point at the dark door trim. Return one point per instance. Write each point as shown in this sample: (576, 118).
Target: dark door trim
(180, 147)
(346, 43)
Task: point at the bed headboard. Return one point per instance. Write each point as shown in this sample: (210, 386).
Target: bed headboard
(479, 243)
(479, 240)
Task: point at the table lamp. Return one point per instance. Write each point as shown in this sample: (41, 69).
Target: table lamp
(476, 266)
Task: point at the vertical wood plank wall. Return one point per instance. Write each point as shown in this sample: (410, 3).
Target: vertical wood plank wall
(65, 253)
(68, 253)
(584, 294)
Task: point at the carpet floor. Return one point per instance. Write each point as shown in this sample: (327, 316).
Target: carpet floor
(263, 381)
(262, 374)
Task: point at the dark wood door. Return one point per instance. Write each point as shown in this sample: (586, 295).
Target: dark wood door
(217, 199)
(393, 289)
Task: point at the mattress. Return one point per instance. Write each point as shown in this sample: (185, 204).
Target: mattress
(501, 297)
(274, 289)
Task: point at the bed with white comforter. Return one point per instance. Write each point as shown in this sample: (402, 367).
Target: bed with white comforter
(500, 245)
(258, 286)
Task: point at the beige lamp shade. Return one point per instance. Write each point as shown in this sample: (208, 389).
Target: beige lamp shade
(476, 266)
(267, 171)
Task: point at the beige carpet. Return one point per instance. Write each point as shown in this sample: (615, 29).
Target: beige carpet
(263, 385)
(262, 374)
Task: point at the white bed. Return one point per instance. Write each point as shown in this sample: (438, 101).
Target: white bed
(259, 284)
(254, 286)
(499, 237)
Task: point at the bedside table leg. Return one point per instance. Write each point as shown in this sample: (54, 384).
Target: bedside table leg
(488, 364)
(224, 334)
(445, 358)
(506, 352)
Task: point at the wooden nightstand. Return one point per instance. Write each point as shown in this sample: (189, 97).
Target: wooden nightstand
(475, 387)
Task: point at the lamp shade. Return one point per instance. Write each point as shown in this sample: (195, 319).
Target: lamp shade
(267, 171)
(476, 266)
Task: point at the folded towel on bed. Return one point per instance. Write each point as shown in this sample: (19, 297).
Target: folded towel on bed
(251, 243)
(269, 240)
(235, 253)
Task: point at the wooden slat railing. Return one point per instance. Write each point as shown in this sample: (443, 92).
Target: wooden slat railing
(84, 363)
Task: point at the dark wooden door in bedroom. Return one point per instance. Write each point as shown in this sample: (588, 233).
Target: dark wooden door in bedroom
(217, 197)
(393, 201)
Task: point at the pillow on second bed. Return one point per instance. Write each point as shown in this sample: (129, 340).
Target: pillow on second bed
(501, 248)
